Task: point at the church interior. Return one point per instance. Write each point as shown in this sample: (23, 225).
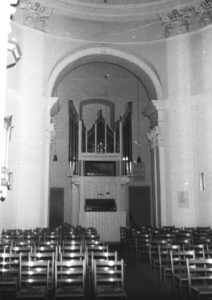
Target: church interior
(106, 129)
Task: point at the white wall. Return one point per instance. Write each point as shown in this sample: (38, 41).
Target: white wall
(189, 126)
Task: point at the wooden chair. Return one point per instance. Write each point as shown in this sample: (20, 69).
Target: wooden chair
(199, 250)
(99, 256)
(109, 279)
(94, 248)
(124, 238)
(71, 256)
(199, 278)
(70, 248)
(45, 257)
(5, 248)
(9, 272)
(72, 238)
(179, 270)
(142, 246)
(69, 279)
(165, 269)
(47, 249)
(33, 280)
(51, 238)
(50, 243)
(184, 239)
(154, 255)
(21, 249)
(71, 242)
(25, 244)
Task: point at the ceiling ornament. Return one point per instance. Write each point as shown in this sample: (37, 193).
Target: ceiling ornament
(180, 20)
(35, 15)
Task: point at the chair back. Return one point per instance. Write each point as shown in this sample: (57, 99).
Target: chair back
(70, 277)
(199, 277)
(34, 274)
(109, 278)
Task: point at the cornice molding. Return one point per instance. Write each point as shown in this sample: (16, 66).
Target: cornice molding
(110, 12)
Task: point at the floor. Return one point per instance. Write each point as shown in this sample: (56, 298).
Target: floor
(140, 283)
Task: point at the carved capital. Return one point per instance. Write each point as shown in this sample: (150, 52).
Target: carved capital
(204, 11)
(51, 130)
(35, 15)
(179, 20)
(155, 137)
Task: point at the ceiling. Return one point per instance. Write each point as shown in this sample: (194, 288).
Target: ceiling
(115, 10)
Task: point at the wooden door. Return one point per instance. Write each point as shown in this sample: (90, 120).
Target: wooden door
(140, 205)
(56, 213)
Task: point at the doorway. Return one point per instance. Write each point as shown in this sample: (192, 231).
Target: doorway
(56, 209)
(140, 205)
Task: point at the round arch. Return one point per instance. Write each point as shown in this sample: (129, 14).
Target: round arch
(137, 66)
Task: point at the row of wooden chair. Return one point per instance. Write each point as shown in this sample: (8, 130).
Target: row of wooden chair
(44, 237)
(181, 258)
(136, 242)
(78, 269)
(171, 263)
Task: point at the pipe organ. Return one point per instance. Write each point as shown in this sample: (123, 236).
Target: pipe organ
(100, 160)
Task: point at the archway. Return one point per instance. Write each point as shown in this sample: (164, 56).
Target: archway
(145, 74)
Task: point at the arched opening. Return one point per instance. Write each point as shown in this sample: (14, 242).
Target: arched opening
(95, 76)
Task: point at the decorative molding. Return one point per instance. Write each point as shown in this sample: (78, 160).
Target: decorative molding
(8, 122)
(35, 15)
(179, 20)
(155, 137)
(51, 127)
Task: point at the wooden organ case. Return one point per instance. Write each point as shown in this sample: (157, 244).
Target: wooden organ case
(100, 159)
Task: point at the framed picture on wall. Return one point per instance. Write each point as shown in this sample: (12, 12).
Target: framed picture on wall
(183, 200)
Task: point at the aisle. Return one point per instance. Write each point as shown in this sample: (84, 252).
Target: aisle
(140, 283)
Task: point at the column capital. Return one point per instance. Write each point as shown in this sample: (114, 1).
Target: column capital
(35, 15)
(180, 20)
(155, 136)
(51, 111)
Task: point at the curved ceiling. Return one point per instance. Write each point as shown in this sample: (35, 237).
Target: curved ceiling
(116, 10)
(129, 66)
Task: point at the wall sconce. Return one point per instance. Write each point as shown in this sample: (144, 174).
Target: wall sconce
(202, 181)
(13, 53)
(138, 160)
(55, 157)
(3, 193)
(55, 151)
(55, 146)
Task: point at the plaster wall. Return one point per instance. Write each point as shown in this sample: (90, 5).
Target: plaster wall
(189, 127)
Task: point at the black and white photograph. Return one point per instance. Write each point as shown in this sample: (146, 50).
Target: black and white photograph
(106, 149)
